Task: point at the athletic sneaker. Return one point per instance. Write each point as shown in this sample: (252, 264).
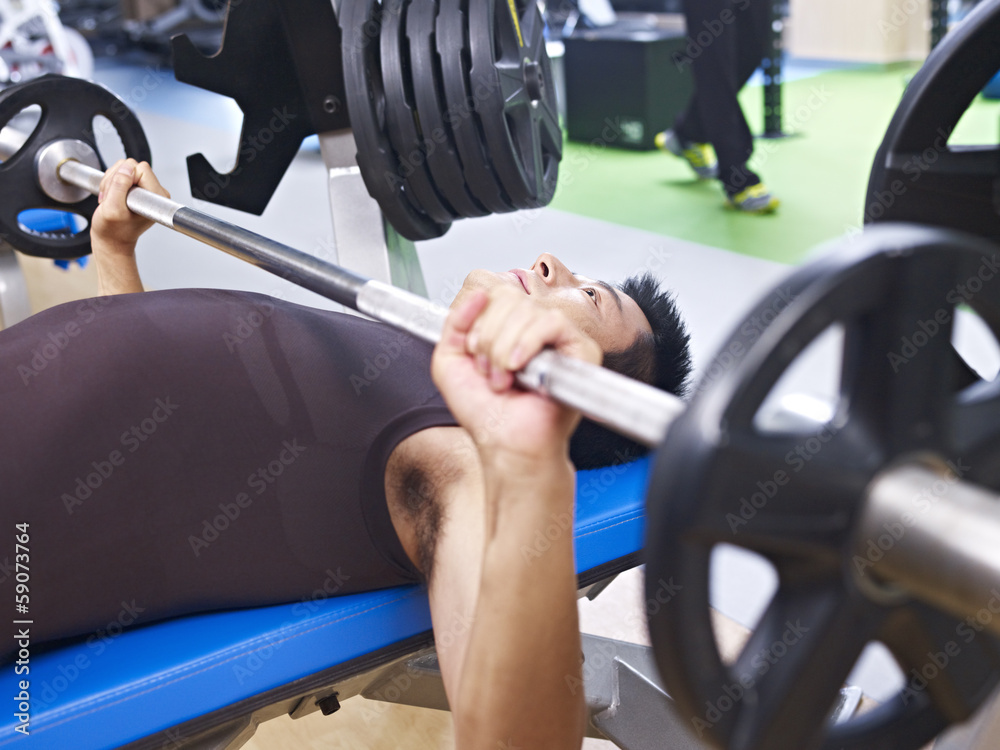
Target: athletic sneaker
(754, 200)
(700, 156)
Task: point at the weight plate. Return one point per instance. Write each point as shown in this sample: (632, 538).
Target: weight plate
(916, 175)
(451, 33)
(399, 114)
(443, 160)
(521, 119)
(68, 108)
(360, 22)
(794, 499)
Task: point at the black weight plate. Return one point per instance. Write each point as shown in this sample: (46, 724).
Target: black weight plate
(399, 114)
(716, 480)
(68, 108)
(439, 144)
(360, 23)
(521, 121)
(916, 175)
(451, 32)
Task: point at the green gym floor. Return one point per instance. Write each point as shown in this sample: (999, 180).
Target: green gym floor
(835, 120)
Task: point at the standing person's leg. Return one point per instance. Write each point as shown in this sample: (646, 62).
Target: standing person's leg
(691, 133)
(715, 115)
(753, 34)
(722, 35)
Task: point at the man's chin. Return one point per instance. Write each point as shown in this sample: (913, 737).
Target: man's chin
(485, 280)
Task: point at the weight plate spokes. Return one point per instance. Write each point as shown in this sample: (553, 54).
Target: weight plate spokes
(443, 160)
(520, 119)
(461, 93)
(794, 498)
(68, 108)
(360, 22)
(399, 114)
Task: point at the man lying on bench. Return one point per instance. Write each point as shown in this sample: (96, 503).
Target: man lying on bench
(198, 450)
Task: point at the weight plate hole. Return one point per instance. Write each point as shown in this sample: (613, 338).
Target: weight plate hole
(807, 392)
(46, 222)
(109, 143)
(741, 586)
(878, 670)
(18, 129)
(976, 344)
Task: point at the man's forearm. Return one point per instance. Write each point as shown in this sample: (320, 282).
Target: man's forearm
(116, 273)
(520, 683)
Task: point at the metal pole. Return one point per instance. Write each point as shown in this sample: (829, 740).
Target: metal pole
(635, 409)
(939, 21)
(771, 68)
(933, 537)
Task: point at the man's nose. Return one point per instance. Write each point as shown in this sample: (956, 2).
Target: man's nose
(551, 270)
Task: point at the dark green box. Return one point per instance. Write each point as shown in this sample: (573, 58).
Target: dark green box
(624, 85)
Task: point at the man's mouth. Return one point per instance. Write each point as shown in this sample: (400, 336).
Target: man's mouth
(521, 277)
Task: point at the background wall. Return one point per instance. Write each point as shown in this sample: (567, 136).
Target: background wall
(875, 31)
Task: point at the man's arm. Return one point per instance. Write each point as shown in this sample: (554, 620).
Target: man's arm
(115, 229)
(513, 680)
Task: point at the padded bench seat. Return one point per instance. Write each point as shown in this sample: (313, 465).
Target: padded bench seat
(148, 680)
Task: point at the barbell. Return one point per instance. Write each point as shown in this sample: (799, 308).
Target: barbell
(866, 519)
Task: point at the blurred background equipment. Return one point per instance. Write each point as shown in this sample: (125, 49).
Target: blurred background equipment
(33, 41)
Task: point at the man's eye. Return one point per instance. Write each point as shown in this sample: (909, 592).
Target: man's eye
(591, 292)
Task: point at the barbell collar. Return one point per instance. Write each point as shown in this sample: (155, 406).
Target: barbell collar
(925, 533)
(634, 409)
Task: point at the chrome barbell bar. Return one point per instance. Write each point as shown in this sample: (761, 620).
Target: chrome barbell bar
(635, 409)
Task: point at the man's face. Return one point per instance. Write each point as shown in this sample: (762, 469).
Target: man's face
(609, 317)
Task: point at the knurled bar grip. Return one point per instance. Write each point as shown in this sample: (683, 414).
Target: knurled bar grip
(635, 409)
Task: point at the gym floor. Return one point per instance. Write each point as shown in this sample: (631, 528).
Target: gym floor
(616, 212)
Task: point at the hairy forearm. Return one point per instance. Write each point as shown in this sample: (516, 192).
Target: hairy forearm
(520, 679)
(117, 273)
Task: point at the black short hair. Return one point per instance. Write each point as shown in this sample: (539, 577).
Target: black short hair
(661, 358)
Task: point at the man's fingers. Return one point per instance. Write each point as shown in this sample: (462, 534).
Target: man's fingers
(511, 330)
(146, 179)
(461, 319)
(116, 191)
(107, 178)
